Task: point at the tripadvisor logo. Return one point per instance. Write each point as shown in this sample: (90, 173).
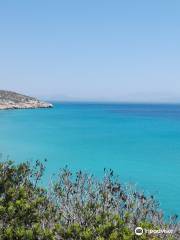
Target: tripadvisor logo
(138, 231)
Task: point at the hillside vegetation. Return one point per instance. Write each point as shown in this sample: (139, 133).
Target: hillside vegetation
(8, 96)
(74, 207)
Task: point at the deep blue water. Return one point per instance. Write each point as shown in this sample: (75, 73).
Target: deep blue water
(140, 142)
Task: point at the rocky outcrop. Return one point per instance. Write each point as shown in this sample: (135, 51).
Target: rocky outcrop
(12, 100)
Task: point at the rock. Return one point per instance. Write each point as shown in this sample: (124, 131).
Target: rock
(13, 100)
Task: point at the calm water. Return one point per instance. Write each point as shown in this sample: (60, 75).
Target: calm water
(140, 142)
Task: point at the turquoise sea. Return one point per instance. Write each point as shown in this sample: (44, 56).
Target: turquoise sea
(140, 142)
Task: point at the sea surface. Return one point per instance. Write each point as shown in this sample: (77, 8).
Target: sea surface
(140, 142)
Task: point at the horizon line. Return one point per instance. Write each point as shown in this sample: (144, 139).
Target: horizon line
(113, 102)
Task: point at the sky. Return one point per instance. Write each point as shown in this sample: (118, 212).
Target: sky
(91, 50)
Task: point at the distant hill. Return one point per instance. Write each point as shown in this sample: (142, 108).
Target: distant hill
(13, 100)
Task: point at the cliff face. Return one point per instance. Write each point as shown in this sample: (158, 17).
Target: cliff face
(12, 100)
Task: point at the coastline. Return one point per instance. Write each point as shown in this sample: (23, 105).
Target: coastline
(12, 100)
(27, 105)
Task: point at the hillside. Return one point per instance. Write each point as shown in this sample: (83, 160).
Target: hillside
(13, 100)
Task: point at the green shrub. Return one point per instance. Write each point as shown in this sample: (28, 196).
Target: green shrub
(76, 207)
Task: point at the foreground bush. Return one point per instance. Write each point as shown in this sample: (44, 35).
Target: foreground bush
(75, 207)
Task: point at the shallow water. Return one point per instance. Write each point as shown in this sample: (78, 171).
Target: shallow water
(140, 142)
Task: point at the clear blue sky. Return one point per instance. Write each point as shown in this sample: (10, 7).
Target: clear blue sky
(91, 49)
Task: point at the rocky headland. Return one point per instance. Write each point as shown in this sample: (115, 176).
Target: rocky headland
(13, 100)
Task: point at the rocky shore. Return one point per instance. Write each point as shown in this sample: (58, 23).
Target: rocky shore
(12, 100)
